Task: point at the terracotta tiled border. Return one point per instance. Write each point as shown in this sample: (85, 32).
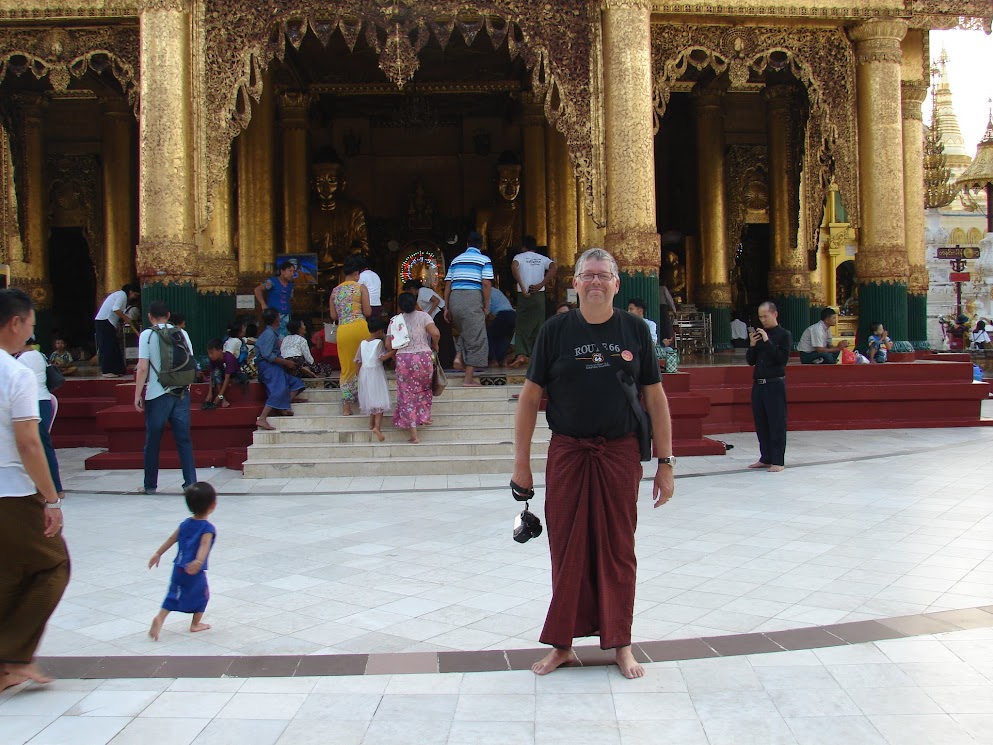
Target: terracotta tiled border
(814, 637)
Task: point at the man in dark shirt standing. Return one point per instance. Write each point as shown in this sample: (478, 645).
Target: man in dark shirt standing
(768, 353)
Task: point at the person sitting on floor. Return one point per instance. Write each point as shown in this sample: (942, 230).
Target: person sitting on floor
(879, 343)
(294, 348)
(62, 359)
(815, 346)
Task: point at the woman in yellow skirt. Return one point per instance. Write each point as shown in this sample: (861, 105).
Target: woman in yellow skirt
(349, 306)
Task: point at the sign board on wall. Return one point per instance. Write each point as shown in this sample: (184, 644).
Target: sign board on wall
(245, 302)
(958, 252)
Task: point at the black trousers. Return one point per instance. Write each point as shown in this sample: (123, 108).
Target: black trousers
(769, 411)
(108, 349)
(499, 332)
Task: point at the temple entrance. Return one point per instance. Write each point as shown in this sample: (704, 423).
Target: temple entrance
(750, 272)
(74, 287)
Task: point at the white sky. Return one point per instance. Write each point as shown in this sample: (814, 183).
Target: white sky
(970, 65)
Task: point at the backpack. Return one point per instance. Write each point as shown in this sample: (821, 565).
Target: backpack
(179, 369)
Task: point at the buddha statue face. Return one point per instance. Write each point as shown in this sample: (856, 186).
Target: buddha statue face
(328, 181)
(509, 181)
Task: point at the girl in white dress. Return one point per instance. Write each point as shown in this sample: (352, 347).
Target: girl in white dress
(374, 393)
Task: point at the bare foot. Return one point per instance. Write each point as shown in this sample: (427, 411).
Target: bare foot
(263, 424)
(472, 384)
(552, 660)
(379, 434)
(7, 680)
(156, 628)
(630, 667)
(346, 410)
(225, 404)
(199, 627)
(414, 439)
(301, 401)
(776, 469)
(457, 363)
(428, 423)
(759, 464)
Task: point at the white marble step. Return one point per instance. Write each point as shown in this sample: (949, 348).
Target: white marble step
(466, 420)
(300, 452)
(432, 434)
(429, 464)
(452, 392)
(441, 405)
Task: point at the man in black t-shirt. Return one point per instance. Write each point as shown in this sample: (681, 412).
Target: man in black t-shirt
(768, 353)
(593, 469)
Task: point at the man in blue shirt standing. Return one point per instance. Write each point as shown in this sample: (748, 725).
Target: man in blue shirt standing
(278, 293)
(467, 302)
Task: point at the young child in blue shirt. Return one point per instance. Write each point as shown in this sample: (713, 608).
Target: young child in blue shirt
(188, 591)
(879, 343)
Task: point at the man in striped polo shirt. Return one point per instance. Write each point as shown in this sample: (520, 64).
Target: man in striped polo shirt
(467, 301)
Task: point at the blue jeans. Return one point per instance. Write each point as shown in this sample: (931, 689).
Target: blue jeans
(174, 409)
(45, 407)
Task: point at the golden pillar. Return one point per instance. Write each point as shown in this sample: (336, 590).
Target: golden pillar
(881, 262)
(563, 230)
(789, 280)
(293, 107)
(116, 150)
(256, 202)
(535, 192)
(29, 271)
(629, 143)
(913, 95)
(218, 262)
(714, 295)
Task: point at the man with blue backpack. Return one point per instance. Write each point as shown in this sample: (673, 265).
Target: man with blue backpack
(165, 361)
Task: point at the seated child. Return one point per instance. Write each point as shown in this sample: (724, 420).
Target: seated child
(295, 348)
(61, 358)
(234, 342)
(879, 343)
(223, 369)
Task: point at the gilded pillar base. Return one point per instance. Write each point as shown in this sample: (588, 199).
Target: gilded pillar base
(790, 291)
(638, 255)
(715, 299)
(40, 291)
(917, 320)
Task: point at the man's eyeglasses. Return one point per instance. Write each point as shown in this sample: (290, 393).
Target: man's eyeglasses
(590, 276)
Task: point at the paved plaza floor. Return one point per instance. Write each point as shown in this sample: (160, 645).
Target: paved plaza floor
(864, 531)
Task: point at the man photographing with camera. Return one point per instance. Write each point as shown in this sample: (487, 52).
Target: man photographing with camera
(594, 461)
(768, 352)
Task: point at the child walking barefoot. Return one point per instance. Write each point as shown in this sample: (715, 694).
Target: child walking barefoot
(374, 393)
(188, 591)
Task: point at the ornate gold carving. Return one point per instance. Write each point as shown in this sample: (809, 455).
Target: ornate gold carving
(174, 5)
(555, 40)
(40, 290)
(818, 297)
(635, 250)
(713, 296)
(919, 280)
(882, 263)
(217, 274)
(248, 281)
(792, 282)
(642, 5)
(161, 260)
(748, 187)
(10, 231)
(74, 186)
(293, 107)
(822, 60)
(913, 94)
(64, 54)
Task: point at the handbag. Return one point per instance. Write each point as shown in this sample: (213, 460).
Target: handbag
(331, 332)
(54, 379)
(438, 378)
(398, 332)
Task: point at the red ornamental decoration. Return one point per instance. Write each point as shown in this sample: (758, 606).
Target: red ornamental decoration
(414, 260)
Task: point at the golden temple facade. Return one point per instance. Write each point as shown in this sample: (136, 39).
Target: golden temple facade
(732, 151)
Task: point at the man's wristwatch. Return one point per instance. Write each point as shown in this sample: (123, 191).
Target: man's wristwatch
(668, 461)
(220, 398)
(56, 505)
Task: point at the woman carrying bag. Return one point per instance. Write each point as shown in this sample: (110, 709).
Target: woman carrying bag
(414, 336)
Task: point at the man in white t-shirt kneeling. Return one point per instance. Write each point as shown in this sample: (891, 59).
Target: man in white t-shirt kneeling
(34, 562)
(162, 404)
(533, 272)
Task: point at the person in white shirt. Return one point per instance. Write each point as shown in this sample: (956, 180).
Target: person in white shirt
(161, 404)
(295, 348)
(637, 307)
(815, 346)
(374, 284)
(980, 336)
(739, 333)
(533, 271)
(105, 324)
(33, 554)
(35, 361)
(433, 304)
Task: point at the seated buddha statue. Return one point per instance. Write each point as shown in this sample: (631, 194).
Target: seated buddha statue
(500, 225)
(337, 224)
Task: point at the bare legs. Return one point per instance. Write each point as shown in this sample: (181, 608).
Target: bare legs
(263, 421)
(195, 625)
(12, 675)
(630, 668)
(469, 381)
(376, 424)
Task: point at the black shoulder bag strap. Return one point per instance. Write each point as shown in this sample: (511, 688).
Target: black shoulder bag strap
(627, 384)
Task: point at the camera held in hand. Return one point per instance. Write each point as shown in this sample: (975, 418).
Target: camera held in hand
(526, 526)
